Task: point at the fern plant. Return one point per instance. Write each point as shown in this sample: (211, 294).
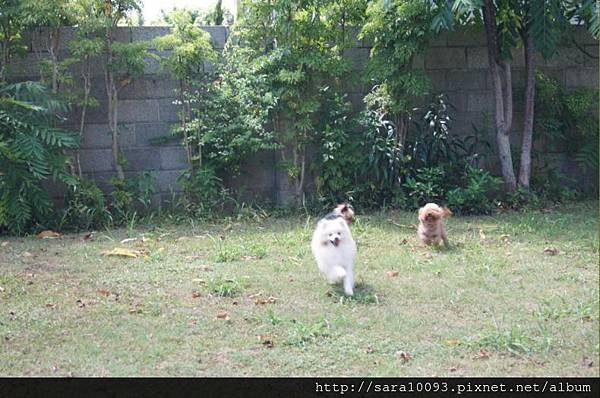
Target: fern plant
(31, 151)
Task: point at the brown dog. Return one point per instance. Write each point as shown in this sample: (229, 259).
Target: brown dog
(431, 227)
(345, 210)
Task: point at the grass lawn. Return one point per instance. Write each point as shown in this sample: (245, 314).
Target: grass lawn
(243, 298)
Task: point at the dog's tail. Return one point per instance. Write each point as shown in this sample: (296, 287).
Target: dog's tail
(446, 212)
(335, 274)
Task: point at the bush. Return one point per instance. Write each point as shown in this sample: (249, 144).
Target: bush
(522, 199)
(85, 207)
(31, 151)
(132, 195)
(203, 190)
(475, 197)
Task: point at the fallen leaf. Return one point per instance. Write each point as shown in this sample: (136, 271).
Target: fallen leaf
(255, 295)
(182, 238)
(551, 250)
(505, 236)
(266, 340)
(404, 355)
(128, 240)
(50, 305)
(135, 310)
(49, 234)
(404, 241)
(370, 350)
(125, 252)
(1, 289)
(195, 294)
(5, 243)
(88, 236)
(248, 258)
(103, 292)
(26, 254)
(481, 234)
(223, 315)
(80, 303)
(268, 300)
(393, 274)
(482, 354)
(204, 267)
(453, 369)
(452, 342)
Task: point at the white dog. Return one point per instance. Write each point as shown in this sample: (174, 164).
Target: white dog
(335, 250)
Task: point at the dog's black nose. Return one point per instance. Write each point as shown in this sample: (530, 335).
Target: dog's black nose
(336, 241)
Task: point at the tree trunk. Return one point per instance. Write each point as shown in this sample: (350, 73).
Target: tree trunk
(87, 88)
(502, 97)
(526, 145)
(53, 51)
(112, 93)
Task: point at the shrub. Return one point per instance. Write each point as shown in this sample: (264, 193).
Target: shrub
(85, 207)
(132, 195)
(203, 189)
(31, 151)
(474, 197)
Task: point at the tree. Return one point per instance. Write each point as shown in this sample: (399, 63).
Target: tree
(123, 62)
(50, 16)
(218, 13)
(537, 26)
(11, 26)
(86, 46)
(191, 48)
(298, 44)
(399, 30)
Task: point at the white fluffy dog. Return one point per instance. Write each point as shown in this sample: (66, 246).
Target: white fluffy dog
(335, 250)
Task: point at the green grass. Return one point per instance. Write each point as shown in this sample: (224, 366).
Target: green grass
(493, 304)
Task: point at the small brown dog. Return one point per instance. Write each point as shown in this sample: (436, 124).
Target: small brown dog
(431, 227)
(345, 210)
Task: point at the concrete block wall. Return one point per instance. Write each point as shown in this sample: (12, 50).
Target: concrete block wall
(456, 63)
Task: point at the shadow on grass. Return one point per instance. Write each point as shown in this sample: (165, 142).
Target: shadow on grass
(363, 294)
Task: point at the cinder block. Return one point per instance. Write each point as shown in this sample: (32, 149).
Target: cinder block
(441, 40)
(97, 114)
(439, 80)
(566, 57)
(467, 37)
(467, 79)
(583, 36)
(149, 34)
(590, 61)
(173, 158)
(218, 35)
(130, 111)
(96, 136)
(28, 65)
(446, 58)
(477, 58)
(145, 133)
(167, 110)
(582, 77)
(96, 160)
(154, 86)
(459, 100)
(480, 102)
(142, 159)
(167, 181)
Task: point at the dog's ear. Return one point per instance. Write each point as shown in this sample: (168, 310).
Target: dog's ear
(446, 212)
